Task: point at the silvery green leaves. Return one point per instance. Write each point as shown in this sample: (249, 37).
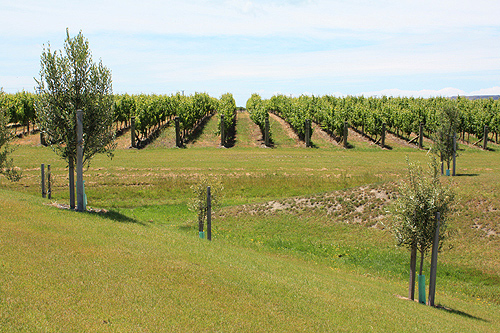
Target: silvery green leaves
(71, 81)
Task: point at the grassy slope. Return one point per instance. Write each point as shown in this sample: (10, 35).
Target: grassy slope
(64, 271)
(141, 266)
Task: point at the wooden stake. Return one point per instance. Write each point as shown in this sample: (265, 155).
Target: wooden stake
(209, 214)
(178, 143)
(346, 131)
(49, 183)
(435, 248)
(132, 132)
(421, 136)
(308, 133)
(43, 179)
(383, 135)
(79, 161)
(222, 131)
(266, 131)
(485, 137)
(454, 153)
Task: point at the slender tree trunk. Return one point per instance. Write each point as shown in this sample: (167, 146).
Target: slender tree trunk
(413, 269)
(421, 263)
(71, 182)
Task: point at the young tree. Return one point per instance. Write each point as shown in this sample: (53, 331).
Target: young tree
(6, 164)
(68, 82)
(449, 118)
(420, 197)
(198, 202)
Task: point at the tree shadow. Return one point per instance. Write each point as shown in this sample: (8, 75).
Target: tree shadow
(196, 132)
(115, 216)
(458, 312)
(467, 175)
(312, 145)
(231, 137)
(140, 144)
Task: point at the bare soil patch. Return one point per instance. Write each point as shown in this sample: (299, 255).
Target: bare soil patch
(367, 205)
(320, 135)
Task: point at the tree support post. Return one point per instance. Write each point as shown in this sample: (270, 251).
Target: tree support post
(413, 269)
(454, 154)
(178, 143)
(49, 183)
(222, 131)
(442, 165)
(71, 175)
(266, 131)
(435, 248)
(132, 132)
(308, 133)
(42, 168)
(383, 135)
(346, 131)
(43, 142)
(485, 137)
(209, 214)
(79, 161)
(421, 136)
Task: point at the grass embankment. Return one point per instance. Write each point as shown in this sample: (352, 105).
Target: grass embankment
(67, 271)
(298, 245)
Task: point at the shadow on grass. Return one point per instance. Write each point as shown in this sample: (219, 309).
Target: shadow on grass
(467, 175)
(196, 132)
(458, 312)
(115, 216)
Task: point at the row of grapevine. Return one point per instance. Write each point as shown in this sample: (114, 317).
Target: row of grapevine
(19, 109)
(401, 115)
(227, 117)
(257, 109)
(153, 111)
(294, 110)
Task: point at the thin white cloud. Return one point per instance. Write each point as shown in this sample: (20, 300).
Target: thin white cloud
(487, 91)
(297, 46)
(446, 92)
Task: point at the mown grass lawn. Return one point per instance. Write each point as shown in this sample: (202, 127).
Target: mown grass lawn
(141, 266)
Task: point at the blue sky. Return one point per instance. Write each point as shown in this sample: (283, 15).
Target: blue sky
(340, 47)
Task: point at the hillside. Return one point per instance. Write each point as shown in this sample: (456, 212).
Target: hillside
(65, 271)
(300, 244)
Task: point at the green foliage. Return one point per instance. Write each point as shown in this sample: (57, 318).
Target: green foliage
(402, 115)
(227, 107)
(294, 110)
(198, 203)
(444, 133)
(6, 163)
(421, 196)
(68, 82)
(257, 108)
(19, 108)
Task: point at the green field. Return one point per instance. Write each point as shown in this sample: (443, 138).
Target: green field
(299, 244)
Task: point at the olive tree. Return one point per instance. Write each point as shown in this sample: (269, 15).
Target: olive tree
(421, 196)
(198, 203)
(71, 81)
(449, 118)
(6, 163)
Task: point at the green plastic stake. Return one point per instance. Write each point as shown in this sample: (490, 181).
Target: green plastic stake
(202, 234)
(421, 289)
